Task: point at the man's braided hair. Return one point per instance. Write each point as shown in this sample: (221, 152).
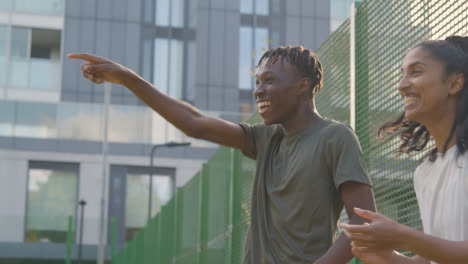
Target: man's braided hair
(306, 63)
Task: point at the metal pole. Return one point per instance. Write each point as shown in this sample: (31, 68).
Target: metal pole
(153, 150)
(102, 223)
(82, 204)
(254, 55)
(352, 69)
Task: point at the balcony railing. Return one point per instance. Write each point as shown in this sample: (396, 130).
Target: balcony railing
(81, 121)
(42, 74)
(42, 7)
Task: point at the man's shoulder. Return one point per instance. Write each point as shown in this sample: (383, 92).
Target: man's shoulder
(332, 128)
(263, 127)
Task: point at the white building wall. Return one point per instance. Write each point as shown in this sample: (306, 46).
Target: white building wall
(13, 186)
(13, 179)
(90, 190)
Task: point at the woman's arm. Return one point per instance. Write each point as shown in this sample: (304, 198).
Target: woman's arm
(383, 234)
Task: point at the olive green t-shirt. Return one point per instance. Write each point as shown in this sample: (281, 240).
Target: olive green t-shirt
(296, 203)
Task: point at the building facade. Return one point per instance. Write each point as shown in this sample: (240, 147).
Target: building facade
(52, 121)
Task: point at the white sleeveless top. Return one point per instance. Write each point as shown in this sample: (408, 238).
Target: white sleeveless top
(442, 191)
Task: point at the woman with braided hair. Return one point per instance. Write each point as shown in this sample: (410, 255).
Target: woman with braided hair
(434, 88)
(308, 167)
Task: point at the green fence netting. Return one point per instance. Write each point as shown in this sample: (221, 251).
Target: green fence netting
(207, 220)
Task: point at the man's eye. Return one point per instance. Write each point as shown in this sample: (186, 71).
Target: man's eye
(269, 80)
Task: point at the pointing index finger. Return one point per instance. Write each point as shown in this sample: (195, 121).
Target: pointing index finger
(87, 57)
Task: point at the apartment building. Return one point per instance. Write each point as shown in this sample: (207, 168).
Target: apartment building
(53, 151)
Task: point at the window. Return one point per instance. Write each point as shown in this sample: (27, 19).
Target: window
(262, 7)
(3, 53)
(44, 7)
(5, 5)
(191, 71)
(245, 58)
(339, 12)
(137, 199)
(52, 197)
(249, 56)
(168, 66)
(34, 58)
(35, 120)
(170, 13)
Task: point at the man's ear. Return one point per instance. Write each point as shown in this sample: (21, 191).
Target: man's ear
(457, 83)
(304, 86)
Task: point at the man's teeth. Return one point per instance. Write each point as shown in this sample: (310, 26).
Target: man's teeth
(263, 104)
(409, 99)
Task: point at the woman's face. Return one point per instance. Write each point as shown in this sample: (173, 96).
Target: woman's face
(424, 87)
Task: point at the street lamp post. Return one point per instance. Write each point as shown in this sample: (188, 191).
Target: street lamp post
(153, 149)
(82, 203)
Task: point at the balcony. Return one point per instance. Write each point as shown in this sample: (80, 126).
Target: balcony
(81, 121)
(43, 7)
(34, 73)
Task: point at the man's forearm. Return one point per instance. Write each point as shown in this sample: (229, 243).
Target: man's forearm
(338, 253)
(177, 112)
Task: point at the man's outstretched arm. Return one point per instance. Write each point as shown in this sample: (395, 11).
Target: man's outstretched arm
(179, 113)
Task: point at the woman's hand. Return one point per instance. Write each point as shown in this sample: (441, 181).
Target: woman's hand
(380, 235)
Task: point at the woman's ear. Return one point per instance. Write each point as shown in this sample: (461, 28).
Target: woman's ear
(457, 83)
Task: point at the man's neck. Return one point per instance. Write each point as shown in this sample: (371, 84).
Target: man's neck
(303, 119)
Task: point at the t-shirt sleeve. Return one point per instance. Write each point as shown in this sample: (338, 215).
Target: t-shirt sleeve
(346, 159)
(250, 149)
(257, 137)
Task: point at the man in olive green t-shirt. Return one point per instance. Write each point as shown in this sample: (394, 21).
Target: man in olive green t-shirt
(296, 189)
(308, 167)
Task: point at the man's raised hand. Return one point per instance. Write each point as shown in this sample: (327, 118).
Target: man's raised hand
(98, 69)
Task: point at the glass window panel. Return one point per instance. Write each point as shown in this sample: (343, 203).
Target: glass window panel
(72, 116)
(245, 58)
(44, 7)
(176, 69)
(5, 5)
(146, 71)
(246, 6)
(192, 13)
(7, 115)
(52, 197)
(36, 120)
(261, 43)
(191, 71)
(18, 72)
(137, 195)
(160, 65)
(19, 66)
(19, 42)
(339, 12)
(129, 124)
(41, 74)
(3, 52)
(262, 7)
(148, 10)
(162, 12)
(177, 15)
(3, 40)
